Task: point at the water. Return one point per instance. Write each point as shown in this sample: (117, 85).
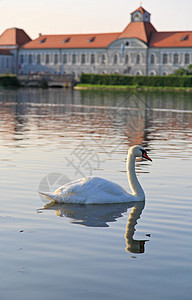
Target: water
(48, 137)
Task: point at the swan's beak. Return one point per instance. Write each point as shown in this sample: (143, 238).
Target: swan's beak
(146, 156)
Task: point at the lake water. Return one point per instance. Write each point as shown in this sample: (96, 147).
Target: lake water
(135, 251)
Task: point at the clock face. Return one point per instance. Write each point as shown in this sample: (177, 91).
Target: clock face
(137, 17)
(146, 17)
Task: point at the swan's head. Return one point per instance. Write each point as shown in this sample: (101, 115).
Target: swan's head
(139, 151)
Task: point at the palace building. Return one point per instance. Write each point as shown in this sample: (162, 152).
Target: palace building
(138, 50)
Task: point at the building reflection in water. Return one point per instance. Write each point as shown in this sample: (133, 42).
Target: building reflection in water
(136, 118)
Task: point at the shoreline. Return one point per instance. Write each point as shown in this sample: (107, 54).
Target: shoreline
(134, 88)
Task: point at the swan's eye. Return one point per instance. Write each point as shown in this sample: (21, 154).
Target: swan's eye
(143, 151)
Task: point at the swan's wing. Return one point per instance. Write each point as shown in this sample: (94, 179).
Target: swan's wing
(107, 186)
(72, 187)
(91, 184)
(91, 190)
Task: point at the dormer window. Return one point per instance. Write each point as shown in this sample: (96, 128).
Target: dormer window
(184, 38)
(91, 39)
(42, 41)
(67, 40)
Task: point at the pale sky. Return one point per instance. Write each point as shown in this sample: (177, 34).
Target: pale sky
(83, 16)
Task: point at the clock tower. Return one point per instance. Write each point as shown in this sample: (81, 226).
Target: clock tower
(140, 15)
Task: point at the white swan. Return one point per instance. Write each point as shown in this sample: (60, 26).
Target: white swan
(96, 190)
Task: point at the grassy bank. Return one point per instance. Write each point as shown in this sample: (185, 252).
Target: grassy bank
(82, 86)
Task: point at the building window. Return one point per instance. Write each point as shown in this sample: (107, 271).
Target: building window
(115, 59)
(64, 58)
(138, 59)
(92, 58)
(2, 62)
(7, 62)
(38, 59)
(165, 58)
(103, 59)
(74, 57)
(152, 59)
(47, 58)
(30, 59)
(56, 60)
(21, 58)
(127, 59)
(175, 58)
(83, 59)
(187, 58)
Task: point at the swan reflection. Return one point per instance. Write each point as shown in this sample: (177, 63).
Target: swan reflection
(134, 246)
(92, 215)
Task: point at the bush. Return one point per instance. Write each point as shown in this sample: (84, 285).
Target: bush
(7, 80)
(140, 81)
(107, 79)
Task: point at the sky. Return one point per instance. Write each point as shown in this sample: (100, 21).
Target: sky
(93, 16)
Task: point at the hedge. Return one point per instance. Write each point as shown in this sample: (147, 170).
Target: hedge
(6, 80)
(156, 81)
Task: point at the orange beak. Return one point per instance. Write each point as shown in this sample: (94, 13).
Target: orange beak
(146, 156)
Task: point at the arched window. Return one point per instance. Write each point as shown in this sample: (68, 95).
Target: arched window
(30, 59)
(38, 59)
(126, 59)
(115, 59)
(47, 58)
(165, 58)
(74, 58)
(176, 58)
(83, 58)
(21, 58)
(56, 59)
(186, 58)
(64, 58)
(152, 59)
(2, 62)
(103, 59)
(7, 62)
(92, 58)
(138, 59)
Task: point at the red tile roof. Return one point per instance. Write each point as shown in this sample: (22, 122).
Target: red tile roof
(14, 37)
(141, 9)
(98, 40)
(144, 31)
(171, 39)
(140, 30)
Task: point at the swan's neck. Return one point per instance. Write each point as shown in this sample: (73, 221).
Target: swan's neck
(132, 178)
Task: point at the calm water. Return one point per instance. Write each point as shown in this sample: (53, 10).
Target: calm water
(48, 137)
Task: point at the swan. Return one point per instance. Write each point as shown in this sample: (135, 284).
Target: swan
(96, 190)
